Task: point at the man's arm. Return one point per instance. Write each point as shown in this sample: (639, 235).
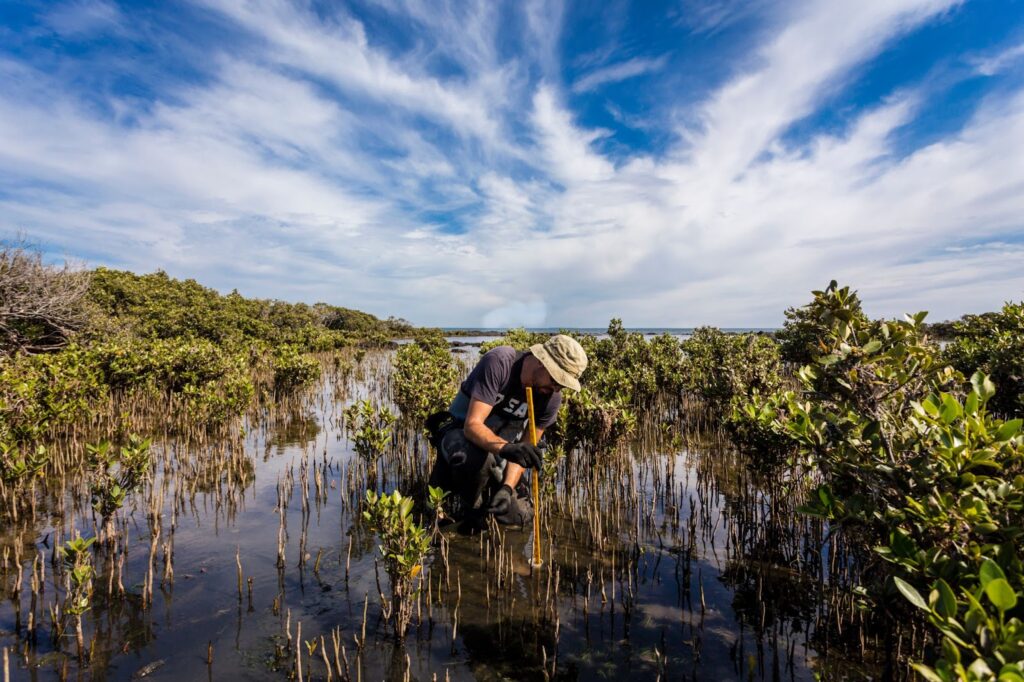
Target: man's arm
(513, 472)
(478, 433)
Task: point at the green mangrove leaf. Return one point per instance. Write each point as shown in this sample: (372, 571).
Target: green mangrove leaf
(990, 571)
(979, 668)
(811, 510)
(972, 403)
(983, 386)
(950, 650)
(1001, 594)
(872, 346)
(1011, 673)
(825, 495)
(1009, 429)
(927, 673)
(912, 595)
(945, 603)
(951, 409)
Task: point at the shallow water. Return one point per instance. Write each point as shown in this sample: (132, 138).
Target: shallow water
(659, 562)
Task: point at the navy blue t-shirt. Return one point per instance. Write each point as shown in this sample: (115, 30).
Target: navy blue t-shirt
(496, 381)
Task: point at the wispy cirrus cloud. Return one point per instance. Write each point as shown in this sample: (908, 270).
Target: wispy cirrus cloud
(84, 17)
(990, 66)
(614, 73)
(439, 171)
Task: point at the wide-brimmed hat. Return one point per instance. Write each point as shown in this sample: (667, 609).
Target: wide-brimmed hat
(564, 359)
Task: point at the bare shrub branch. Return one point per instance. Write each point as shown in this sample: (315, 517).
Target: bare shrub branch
(41, 305)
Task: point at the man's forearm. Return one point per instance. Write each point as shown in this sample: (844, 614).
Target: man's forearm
(513, 472)
(481, 436)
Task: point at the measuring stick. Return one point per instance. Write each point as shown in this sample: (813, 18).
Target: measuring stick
(536, 562)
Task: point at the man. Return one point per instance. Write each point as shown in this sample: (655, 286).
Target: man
(484, 460)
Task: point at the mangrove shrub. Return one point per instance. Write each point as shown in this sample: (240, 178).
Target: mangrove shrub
(919, 474)
(994, 343)
(424, 380)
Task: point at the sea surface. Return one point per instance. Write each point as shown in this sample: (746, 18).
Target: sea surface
(464, 337)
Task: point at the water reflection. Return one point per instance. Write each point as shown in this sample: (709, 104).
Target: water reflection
(664, 562)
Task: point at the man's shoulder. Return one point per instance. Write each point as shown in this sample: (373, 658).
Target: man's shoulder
(501, 353)
(497, 361)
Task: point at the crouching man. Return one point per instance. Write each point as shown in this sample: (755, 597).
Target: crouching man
(483, 440)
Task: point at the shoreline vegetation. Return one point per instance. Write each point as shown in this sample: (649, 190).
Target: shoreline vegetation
(907, 453)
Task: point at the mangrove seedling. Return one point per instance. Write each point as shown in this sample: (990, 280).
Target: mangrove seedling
(436, 502)
(79, 573)
(117, 473)
(371, 429)
(16, 466)
(403, 545)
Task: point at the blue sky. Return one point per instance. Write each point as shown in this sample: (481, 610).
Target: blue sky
(540, 163)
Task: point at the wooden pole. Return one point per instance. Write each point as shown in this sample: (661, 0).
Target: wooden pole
(536, 562)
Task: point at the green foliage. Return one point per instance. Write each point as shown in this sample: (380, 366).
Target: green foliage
(205, 353)
(518, 338)
(626, 368)
(116, 474)
(214, 383)
(917, 468)
(726, 369)
(625, 374)
(588, 420)
(77, 562)
(292, 369)
(436, 503)
(403, 546)
(158, 306)
(804, 333)
(942, 331)
(39, 393)
(17, 465)
(754, 427)
(425, 378)
(370, 429)
(994, 343)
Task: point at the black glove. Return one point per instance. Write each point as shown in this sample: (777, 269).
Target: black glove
(501, 501)
(523, 454)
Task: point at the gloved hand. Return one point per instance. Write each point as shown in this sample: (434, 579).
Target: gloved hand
(523, 454)
(501, 501)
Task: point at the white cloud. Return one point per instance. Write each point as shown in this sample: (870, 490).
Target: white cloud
(84, 17)
(990, 66)
(614, 73)
(711, 16)
(517, 314)
(323, 167)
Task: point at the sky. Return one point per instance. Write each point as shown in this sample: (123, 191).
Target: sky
(537, 163)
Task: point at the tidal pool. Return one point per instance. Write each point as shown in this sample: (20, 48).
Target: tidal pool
(245, 558)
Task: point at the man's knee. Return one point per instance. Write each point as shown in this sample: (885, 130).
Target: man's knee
(459, 452)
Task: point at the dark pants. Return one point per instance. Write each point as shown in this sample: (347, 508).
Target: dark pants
(475, 475)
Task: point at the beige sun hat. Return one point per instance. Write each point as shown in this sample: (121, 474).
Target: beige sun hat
(564, 359)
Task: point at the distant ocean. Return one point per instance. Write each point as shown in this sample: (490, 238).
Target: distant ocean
(473, 337)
